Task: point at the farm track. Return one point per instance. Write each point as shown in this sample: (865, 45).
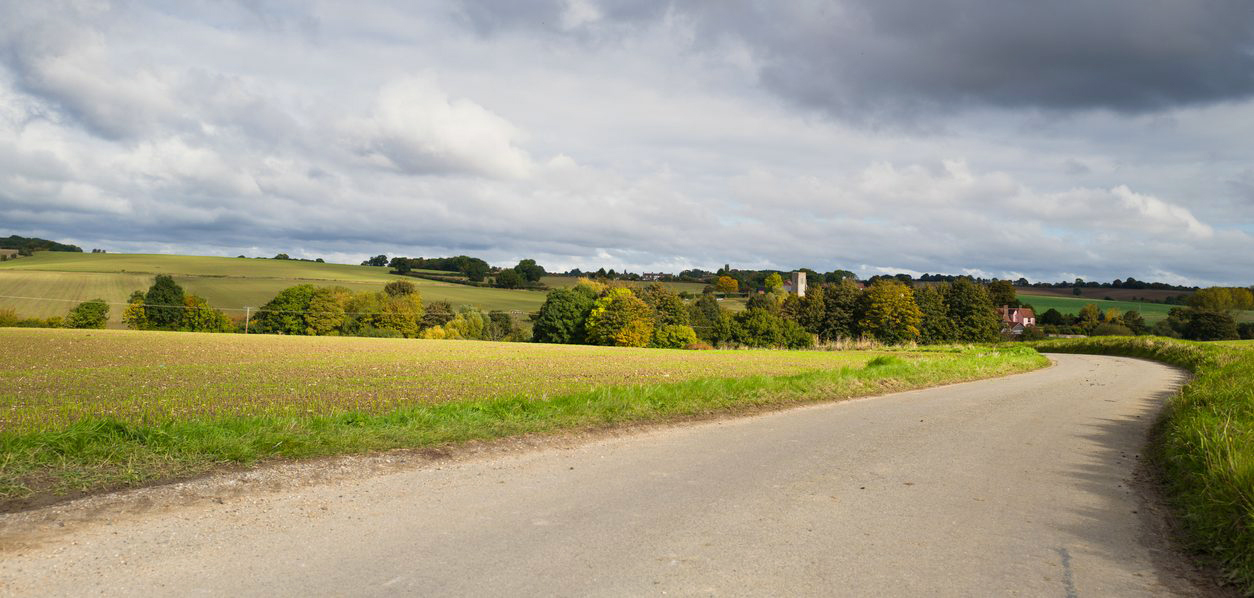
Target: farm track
(1029, 485)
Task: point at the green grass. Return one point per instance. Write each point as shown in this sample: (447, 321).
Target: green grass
(1206, 444)
(92, 410)
(59, 280)
(1152, 312)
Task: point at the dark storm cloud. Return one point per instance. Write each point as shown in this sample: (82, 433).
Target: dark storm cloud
(892, 57)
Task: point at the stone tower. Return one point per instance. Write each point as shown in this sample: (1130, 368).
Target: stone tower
(799, 283)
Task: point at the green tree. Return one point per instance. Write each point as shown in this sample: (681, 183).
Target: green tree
(668, 308)
(971, 311)
(891, 314)
(437, 313)
(510, 279)
(936, 326)
(326, 312)
(774, 281)
(399, 288)
(163, 304)
(1090, 316)
(843, 305)
(475, 269)
(199, 317)
(812, 310)
(673, 336)
(1052, 317)
(563, 316)
(704, 315)
(530, 270)
(1210, 325)
(88, 314)
(760, 328)
(285, 314)
(1002, 294)
(378, 260)
(1222, 299)
(621, 319)
(1135, 322)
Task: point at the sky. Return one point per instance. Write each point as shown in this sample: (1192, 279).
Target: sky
(1050, 140)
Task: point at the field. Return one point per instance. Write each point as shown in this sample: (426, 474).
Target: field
(56, 281)
(89, 410)
(1100, 293)
(1152, 312)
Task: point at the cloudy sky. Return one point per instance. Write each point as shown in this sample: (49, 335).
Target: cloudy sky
(1051, 140)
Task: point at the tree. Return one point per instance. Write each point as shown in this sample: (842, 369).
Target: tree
(1222, 299)
(843, 305)
(705, 315)
(475, 269)
(668, 308)
(1135, 322)
(1246, 330)
(760, 328)
(327, 311)
(936, 327)
(891, 314)
(1090, 316)
(163, 304)
(285, 314)
(135, 316)
(378, 260)
(199, 317)
(727, 284)
(530, 270)
(971, 311)
(774, 281)
(1111, 329)
(812, 310)
(282, 256)
(88, 314)
(673, 336)
(1113, 316)
(563, 316)
(1002, 294)
(510, 279)
(1052, 317)
(399, 288)
(1210, 325)
(437, 313)
(620, 319)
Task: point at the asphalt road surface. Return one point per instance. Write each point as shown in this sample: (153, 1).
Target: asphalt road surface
(1022, 486)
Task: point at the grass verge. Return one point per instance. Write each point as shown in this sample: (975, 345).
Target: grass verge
(98, 454)
(1206, 448)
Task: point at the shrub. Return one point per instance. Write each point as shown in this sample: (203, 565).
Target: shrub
(699, 346)
(8, 317)
(1207, 325)
(1110, 329)
(673, 336)
(563, 317)
(372, 332)
(1246, 330)
(89, 314)
(620, 319)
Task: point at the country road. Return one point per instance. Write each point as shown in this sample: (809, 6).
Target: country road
(1022, 486)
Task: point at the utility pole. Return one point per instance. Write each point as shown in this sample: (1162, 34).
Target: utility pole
(248, 312)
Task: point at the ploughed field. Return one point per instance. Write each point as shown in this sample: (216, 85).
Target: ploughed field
(51, 377)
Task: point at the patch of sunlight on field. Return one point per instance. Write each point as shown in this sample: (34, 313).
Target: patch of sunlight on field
(63, 375)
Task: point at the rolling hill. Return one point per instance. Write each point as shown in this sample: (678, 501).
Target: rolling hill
(49, 284)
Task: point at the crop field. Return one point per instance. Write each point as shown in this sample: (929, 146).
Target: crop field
(56, 281)
(1100, 293)
(62, 376)
(1152, 312)
(90, 410)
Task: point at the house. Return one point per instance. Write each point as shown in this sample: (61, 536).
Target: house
(8, 254)
(1015, 319)
(654, 276)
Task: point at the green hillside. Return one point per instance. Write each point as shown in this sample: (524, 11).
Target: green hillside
(50, 283)
(1152, 312)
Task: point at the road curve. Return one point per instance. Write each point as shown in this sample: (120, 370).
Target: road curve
(1017, 486)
